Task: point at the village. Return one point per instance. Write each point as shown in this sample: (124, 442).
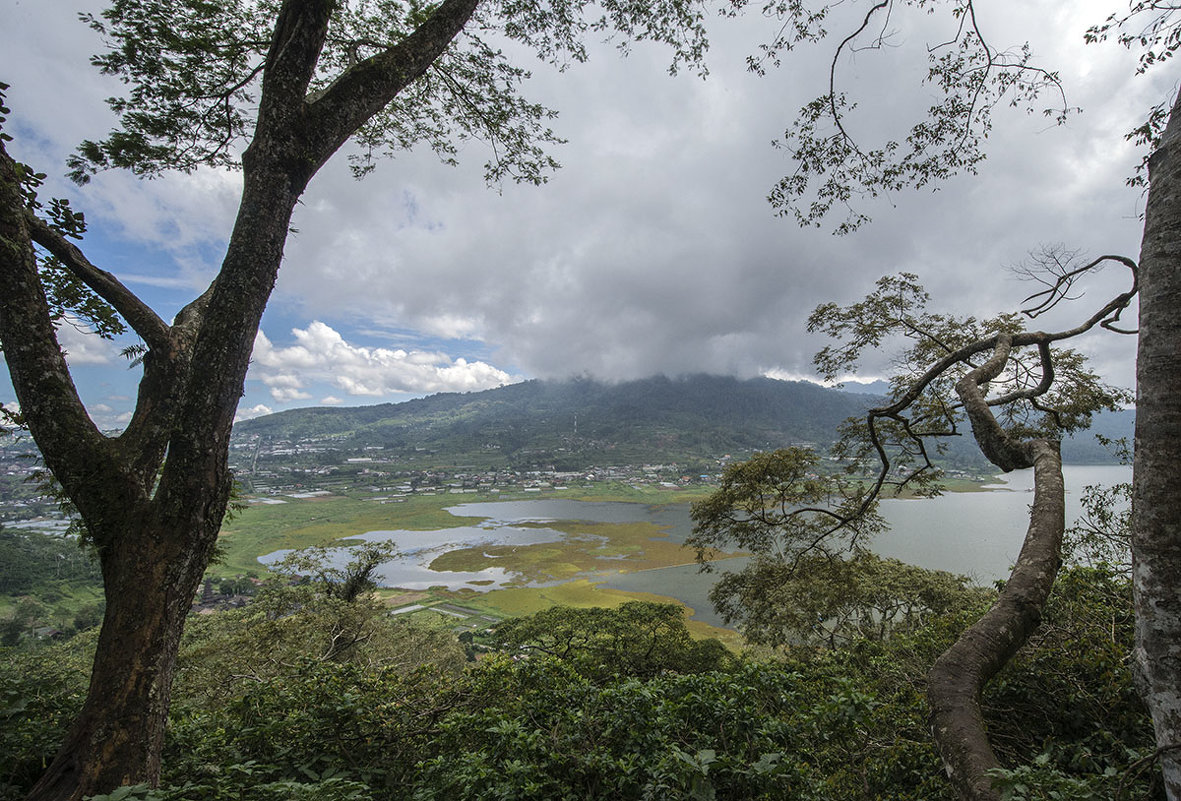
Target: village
(267, 469)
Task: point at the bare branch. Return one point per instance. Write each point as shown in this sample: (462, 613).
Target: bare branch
(837, 117)
(1064, 278)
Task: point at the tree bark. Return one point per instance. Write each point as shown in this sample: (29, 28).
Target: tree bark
(154, 548)
(150, 579)
(1156, 482)
(959, 675)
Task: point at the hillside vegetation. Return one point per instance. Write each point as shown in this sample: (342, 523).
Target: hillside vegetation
(304, 696)
(575, 423)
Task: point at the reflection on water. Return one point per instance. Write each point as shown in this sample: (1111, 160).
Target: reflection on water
(978, 534)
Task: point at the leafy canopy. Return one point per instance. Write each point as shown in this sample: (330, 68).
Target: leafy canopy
(971, 77)
(70, 300)
(639, 638)
(194, 74)
(1045, 390)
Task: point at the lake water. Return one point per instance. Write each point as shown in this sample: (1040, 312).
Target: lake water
(978, 534)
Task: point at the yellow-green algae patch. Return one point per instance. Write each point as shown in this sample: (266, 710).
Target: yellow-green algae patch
(589, 547)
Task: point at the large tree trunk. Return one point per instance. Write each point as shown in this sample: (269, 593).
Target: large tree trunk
(150, 580)
(1156, 498)
(154, 552)
(154, 537)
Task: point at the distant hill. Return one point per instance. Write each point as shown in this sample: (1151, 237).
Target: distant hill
(582, 421)
(574, 423)
(1084, 448)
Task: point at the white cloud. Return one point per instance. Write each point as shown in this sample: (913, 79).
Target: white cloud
(780, 374)
(107, 418)
(257, 410)
(288, 394)
(330, 400)
(83, 347)
(653, 249)
(321, 354)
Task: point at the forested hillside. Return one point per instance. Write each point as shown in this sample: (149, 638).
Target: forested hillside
(581, 421)
(722, 410)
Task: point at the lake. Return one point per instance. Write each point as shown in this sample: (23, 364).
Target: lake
(978, 534)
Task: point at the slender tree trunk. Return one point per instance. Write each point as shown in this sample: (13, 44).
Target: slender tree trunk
(959, 675)
(1156, 497)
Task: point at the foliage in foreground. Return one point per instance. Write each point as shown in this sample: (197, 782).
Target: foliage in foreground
(849, 723)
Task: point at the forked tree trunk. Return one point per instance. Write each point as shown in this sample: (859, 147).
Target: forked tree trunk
(154, 547)
(155, 538)
(958, 677)
(1156, 496)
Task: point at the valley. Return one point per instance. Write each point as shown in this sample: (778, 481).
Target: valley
(317, 476)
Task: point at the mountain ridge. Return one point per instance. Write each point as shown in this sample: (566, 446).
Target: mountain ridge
(581, 421)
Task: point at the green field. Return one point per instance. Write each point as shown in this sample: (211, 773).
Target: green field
(260, 529)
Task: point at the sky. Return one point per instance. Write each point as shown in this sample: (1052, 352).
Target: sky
(653, 250)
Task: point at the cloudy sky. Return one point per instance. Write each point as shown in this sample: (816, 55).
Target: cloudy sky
(653, 250)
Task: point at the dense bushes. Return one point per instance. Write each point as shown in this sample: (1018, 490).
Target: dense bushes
(829, 725)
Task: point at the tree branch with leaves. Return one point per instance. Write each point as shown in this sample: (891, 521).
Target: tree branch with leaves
(1019, 394)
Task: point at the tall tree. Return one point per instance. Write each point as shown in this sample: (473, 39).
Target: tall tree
(1018, 391)
(1156, 466)
(834, 169)
(292, 80)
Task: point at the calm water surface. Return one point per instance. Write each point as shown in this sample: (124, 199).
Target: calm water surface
(978, 534)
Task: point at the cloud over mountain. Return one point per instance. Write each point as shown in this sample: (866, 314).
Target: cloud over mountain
(321, 354)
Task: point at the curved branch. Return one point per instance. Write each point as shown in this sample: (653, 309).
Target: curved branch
(143, 320)
(1102, 318)
(71, 444)
(959, 675)
(1000, 449)
(1056, 292)
(832, 76)
(1043, 386)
